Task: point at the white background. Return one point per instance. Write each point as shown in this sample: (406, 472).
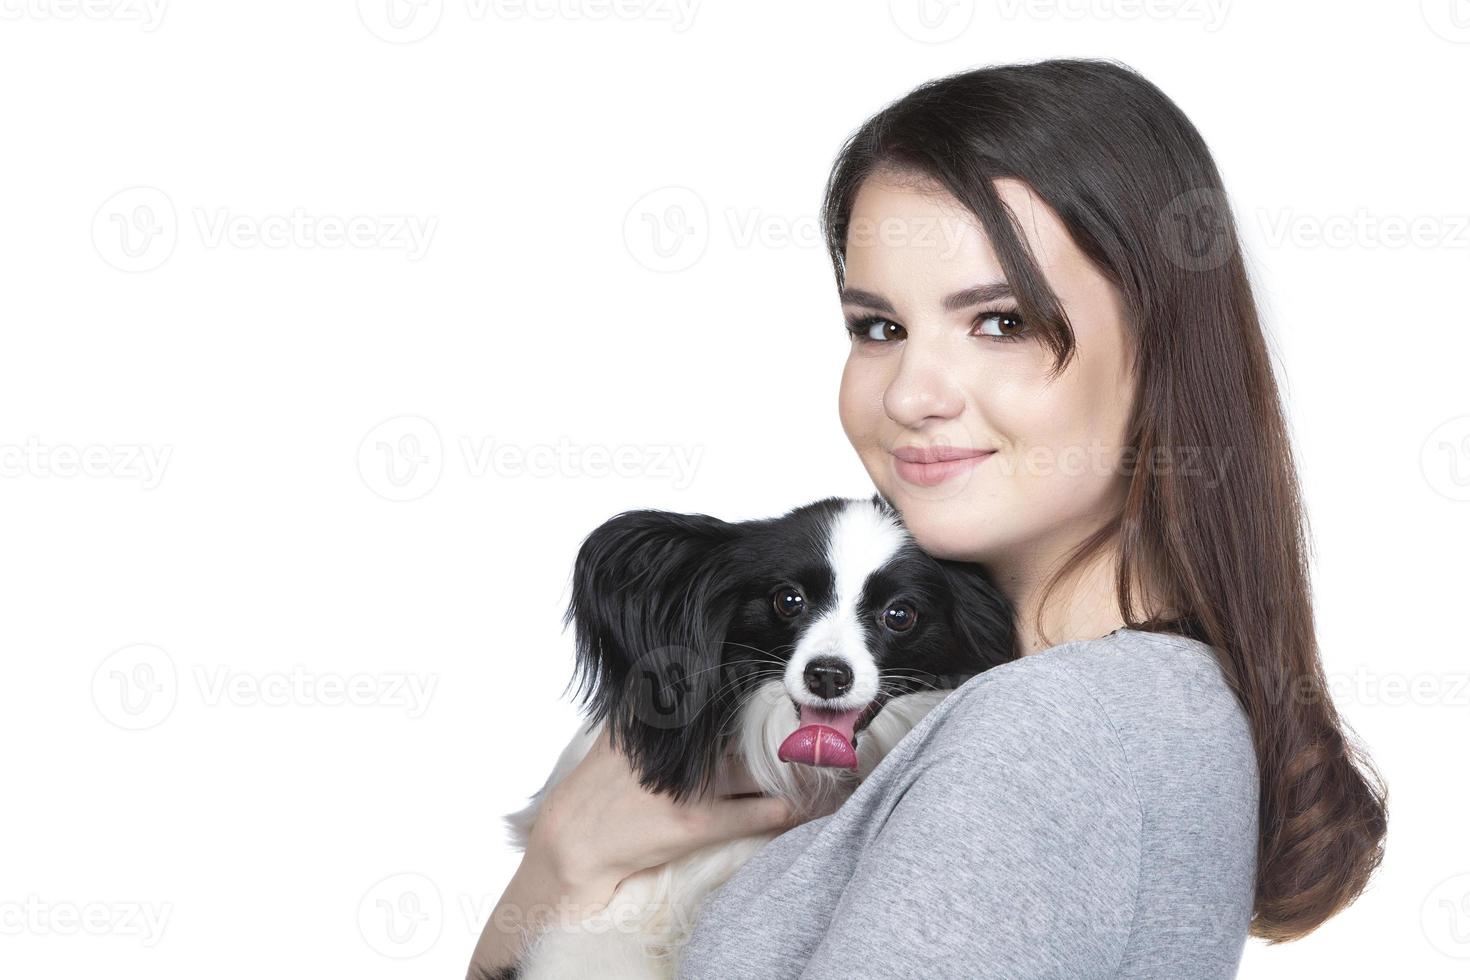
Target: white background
(219, 599)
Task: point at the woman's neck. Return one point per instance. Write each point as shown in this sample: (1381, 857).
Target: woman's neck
(1083, 606)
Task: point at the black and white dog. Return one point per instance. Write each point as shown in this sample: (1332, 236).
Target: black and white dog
(807, 645)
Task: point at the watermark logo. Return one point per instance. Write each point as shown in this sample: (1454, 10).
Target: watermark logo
(401, 916)
(400, 21)
(1194, 229)
(1445, 917)
(1449, 19)
(1445, 459)
(135, 230)
(1201, 703)
(667, 230)
(667, 689)
(932, 21)
(402, 458)
(136, 687)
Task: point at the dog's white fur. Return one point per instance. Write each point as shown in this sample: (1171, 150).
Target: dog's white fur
(641, 933)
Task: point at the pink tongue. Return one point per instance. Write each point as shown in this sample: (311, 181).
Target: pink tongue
(824, 739)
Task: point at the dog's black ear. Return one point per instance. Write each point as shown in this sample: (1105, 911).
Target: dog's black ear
(652, 602)
(982, 620)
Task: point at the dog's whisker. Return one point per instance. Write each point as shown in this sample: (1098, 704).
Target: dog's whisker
(747, 646)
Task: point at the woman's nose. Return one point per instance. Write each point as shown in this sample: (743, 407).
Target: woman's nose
(922, 388)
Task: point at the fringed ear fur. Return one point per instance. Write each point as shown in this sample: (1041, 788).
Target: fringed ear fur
(651, 609)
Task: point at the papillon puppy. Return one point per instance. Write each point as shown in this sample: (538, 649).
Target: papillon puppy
(805, 646)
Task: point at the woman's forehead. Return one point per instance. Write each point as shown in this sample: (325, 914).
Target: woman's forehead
(915, 237)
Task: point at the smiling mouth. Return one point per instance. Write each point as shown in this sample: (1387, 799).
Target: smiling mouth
(930, 473)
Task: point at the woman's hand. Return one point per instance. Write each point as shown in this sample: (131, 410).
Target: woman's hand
(598, 825)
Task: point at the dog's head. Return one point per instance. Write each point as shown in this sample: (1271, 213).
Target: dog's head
(681, 618)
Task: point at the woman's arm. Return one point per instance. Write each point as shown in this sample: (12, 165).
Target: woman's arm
(538, 892)
(596, 827)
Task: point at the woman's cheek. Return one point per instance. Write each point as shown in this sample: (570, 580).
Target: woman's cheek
(860, 405)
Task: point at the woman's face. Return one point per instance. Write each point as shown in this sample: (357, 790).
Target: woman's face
(934, 367)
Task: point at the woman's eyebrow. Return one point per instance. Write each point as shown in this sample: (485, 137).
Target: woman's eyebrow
(984, 293)
(988, 292)
(861, 297)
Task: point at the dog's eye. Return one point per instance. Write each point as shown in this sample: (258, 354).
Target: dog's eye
(900, 617)
(788, 602)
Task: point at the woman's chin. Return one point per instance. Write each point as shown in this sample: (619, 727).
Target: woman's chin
(944, 529)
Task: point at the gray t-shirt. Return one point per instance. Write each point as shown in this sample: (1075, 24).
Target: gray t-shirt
(1088, 811)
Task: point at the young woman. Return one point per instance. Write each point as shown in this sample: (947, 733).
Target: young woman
(1057, 370)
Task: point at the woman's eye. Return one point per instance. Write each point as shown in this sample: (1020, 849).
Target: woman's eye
(873, 328)
(788, 603)
(900, 617)
(1005, 326)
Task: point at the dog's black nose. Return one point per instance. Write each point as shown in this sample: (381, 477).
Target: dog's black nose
(828, 677)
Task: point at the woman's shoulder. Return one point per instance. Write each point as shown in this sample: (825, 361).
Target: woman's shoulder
(1043, 699)
(1166, 679)
(1132, 701)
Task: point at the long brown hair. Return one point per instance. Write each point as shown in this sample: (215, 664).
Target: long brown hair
(1137, 189)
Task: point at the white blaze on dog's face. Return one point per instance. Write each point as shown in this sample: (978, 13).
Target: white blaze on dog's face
(861, 541)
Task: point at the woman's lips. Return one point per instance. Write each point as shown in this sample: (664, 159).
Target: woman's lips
(928, 474)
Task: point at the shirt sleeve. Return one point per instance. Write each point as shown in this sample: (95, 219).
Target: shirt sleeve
(1012, 849)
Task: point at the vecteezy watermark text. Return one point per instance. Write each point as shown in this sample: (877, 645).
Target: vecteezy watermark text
(408, 21)
(403, 458)
(148, 14)
(138, 228)
(137, 687)
(34, 916)
(125, 461)
(220, 684)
